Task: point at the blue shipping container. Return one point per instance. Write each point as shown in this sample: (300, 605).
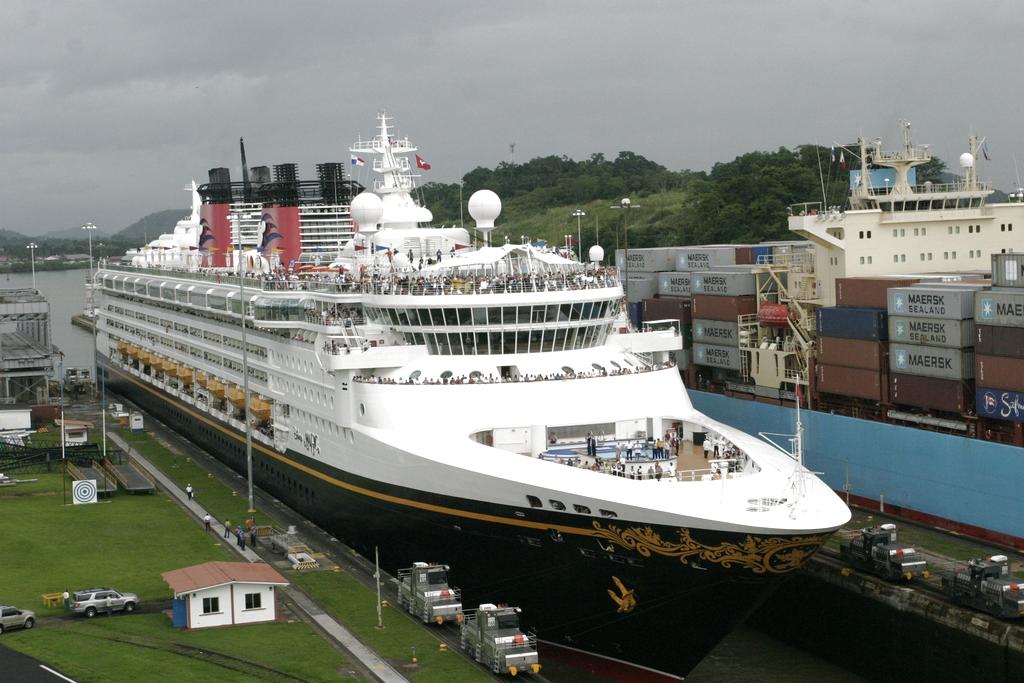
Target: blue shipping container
(760, 251)
(999, 404)
(870, 324)
(636, 313)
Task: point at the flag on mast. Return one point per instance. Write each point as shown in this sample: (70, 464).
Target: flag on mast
(832, 154)
(422, 163)
(842, 160)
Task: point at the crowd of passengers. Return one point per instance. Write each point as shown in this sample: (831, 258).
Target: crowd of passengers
(528, 377)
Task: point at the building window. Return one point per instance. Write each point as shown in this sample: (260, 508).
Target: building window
(929, 256)
(922, 256)
(862, 260)
(945, 255)
(903, 233)
(1009, 227)
(534, 501)
(895, 258)
(958, 229)
(869, 234)
(954, 256)
(894, 233)
(253, 601)
(949, 230)
(211, 605)
(1002, 227)
(915, 232)
(860, 235)
(924, 231)
(903, 258)
(869, 259)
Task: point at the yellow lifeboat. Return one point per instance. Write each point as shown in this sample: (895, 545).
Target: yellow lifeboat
(215, 387)
(236, 396)
(201, 379)
(184, 373)
(260, 408)
(122, 346)
(170, 367)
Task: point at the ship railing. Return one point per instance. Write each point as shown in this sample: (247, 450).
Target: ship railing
(491, 379)
(457, 286)
(937, 188)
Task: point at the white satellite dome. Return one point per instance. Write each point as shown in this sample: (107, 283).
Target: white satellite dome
(966, 160)
(484, 207)
(400, 261)
(366, 210)
(596, 254)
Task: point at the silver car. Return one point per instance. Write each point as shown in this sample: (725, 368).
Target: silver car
(92, 601)
(12, 617)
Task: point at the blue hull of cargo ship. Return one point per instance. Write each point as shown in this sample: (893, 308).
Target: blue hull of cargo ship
(964, 484)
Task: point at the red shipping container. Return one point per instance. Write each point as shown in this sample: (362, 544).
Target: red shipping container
(868, 384)
(852, 353)
(669, 308)
(932, 393)
(996, 372)
(727, 308)
(744, 255)
(868, 292)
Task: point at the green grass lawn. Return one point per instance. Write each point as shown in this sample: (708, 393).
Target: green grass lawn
(144, 647)
(222, 502)
(125, 543)
(355, 606)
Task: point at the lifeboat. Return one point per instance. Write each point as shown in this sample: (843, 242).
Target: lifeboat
(775, 315)
(170, 367)
(201, 379)
(122, 346)
(236, 396)
(260, 408)
(215, 387)
(184, 373)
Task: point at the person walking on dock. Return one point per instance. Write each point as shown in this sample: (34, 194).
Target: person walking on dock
(189, 491)
(252, 538)
(227, 528)
(206, 521)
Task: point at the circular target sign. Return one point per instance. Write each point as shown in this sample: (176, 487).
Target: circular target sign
(83, 491)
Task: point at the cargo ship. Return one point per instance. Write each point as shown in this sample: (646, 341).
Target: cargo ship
(438, 398)
(901, 317)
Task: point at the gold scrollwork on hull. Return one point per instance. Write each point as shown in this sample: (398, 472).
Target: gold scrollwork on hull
(772, 555)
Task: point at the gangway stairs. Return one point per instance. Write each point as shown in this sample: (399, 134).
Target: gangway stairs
(106, 485)
(130, 476)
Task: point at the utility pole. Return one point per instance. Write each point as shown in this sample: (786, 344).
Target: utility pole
(579, 214)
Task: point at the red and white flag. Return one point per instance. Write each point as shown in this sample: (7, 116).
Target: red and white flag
(422, 163)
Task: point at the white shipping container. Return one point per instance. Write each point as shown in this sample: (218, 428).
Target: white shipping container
(704, 258)
(647, 260)
(674, 284)
(932, 302)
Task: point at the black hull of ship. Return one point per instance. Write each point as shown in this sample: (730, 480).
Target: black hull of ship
(570, 583)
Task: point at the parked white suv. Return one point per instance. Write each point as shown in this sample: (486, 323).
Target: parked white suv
(12, 617)
(92, 601)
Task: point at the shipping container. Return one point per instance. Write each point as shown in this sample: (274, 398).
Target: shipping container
(724, 283)
(717, 332)
(636, 313)
(932, 361)
(640, 286)
(999, 404)
(954, 334)
(668, 309)
(703, 258)
(674, 284)
(1002, 308)
(744, 254)
(723, 307)
(867, 292)
(856, 382)
(649, 260)
(998, 372)
(762, 253)
(930, 393)
(932, 302)
(852, 323)
(727, 357)
(1008, 270)
(852, 353)
(990, 340)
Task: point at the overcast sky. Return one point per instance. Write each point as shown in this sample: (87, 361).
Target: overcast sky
(110, 108)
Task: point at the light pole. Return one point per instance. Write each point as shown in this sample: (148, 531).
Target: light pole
(32, 246)
(245, 370)
(89, 228)
(625, 205)
(579, 214)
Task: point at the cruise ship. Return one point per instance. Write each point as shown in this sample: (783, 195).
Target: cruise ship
(436, 397)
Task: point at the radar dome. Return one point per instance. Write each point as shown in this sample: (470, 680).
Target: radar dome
(966, 160)
(400, 261)
(367, 209)
(596, 254)
(484, 207)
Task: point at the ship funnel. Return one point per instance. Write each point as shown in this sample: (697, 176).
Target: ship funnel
(484, 207)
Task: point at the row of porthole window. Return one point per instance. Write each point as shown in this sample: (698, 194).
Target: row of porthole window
(536, 502)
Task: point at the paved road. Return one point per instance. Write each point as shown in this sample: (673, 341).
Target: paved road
(15, 666)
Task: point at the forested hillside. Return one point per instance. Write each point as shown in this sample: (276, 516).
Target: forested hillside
(743, 200)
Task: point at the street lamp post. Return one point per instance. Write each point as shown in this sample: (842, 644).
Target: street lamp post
(625, 205)
(89, 228)
(32, 246)
(579, 214)
(240, 260)
(90, 302)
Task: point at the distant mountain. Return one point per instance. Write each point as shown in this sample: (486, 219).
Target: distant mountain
(74, 234)
(151, 226)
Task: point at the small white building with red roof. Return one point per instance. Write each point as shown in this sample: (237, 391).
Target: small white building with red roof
(224, 594)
